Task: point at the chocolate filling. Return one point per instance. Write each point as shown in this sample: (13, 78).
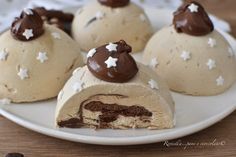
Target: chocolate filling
(110, 113)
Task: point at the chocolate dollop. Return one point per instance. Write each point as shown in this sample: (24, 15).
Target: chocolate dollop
(30, 21)
(191, 18)
(124, 69)
(56, 17)
(114, 3)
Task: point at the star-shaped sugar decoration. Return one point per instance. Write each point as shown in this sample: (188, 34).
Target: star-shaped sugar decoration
(91, 53)
(28, 11)
(42, 57)
(231, 52)
(56, 35)
(5, 101)
(111, 62)
(220, 81)
(142, 17)
(3, 55)
(111, 47)
(60, 95)
(211, 64)
(193, 8)
(211, 42)
(185, 55)
(153, 63)
(23, 73)
(28, 33)
(153, 84)
(99, 15)
(77, 86)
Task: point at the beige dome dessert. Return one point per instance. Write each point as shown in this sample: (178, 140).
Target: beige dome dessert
(35, 60)
(114, 97)
(96, 24)
(193, 59)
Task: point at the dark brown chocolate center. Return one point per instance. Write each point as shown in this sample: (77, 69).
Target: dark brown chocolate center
(114, 3)
(28, 26)
(191, 18)
(124, 69)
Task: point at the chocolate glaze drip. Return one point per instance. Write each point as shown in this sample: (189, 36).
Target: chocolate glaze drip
(125, 69)
(27, 21)
(114, 3)
(57, 18)
(192, 23)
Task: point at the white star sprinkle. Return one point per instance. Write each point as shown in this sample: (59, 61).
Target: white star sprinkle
(5, 101)
(99, 15)
(142, 17)
(42, 56)
(193, 8)
(220, 81)
(211, 64)
(153, 63)
(28, 11)
(185, 55)
(56, 35)
(3, 55)
(91, 53)
(153, 84)
(23, 73)
(60, 95)
(77, 86)
(211, 42)
(111, 62)
(111, 47)
(28, 33)
(231, 52)
(76, 70)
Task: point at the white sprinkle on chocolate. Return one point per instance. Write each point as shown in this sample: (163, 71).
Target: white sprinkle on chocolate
(193, 8)
(111, 62)
(91, 53)
(28, 11)
(28, 33)
(111, 47)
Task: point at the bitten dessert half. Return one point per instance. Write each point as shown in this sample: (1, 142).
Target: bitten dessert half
(35, 59)
(103, 21)
(191, 55)
(112, 91)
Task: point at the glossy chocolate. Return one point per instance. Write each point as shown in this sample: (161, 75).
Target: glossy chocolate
(114, 3)
(196, 23)
(57, 18)
(125, 69)
(28, 20)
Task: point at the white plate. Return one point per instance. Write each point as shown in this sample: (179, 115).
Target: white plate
(192, 113)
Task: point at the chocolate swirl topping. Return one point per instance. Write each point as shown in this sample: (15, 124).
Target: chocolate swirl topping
(191, 18)
(56, 17)
(114, 3)
(124, 69)
(28, 26)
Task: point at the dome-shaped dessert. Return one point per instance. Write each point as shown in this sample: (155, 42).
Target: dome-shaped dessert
(194, 58)
(35, 59)
(108, 21)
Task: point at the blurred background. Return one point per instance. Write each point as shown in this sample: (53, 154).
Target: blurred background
(224, 9)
